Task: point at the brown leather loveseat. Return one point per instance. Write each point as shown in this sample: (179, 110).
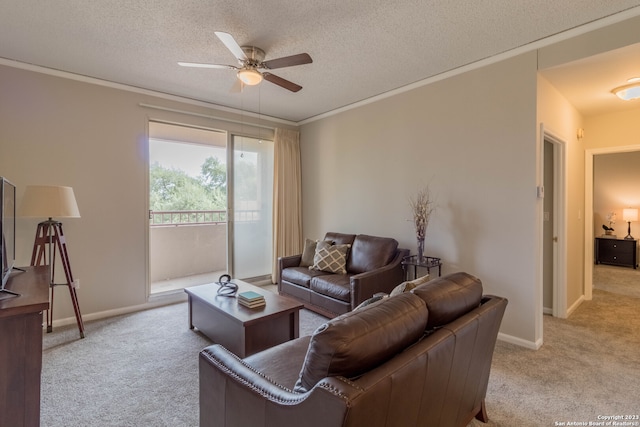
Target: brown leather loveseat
(420, 358)
(373, 265)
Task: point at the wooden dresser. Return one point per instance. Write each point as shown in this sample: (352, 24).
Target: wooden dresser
(620, 252)
(21, 347)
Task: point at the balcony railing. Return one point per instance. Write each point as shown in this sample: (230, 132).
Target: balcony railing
(164, 218)
(159, 218)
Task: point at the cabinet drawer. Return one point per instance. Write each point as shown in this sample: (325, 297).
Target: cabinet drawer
(616, 258)
(611, 246)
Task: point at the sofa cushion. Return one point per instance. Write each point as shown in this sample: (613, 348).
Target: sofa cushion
(370, 252)
(300, 276)
(308, 253)
(330, 258)
(358, 341)
(336, 286)
(449, 297)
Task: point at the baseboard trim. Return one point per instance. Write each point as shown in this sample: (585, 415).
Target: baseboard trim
(575, 305)
(519, 341)
(154, 302)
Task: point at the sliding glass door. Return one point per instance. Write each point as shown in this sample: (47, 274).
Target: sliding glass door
(252, 207)
(210, 206)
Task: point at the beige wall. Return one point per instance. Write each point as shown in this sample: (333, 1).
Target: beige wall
(93, 138)
(473, 138)
(617, 129)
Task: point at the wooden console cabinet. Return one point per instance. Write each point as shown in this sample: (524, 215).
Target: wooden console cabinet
(21, 347)
(616, 252)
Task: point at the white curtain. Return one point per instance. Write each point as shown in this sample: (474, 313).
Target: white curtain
(287, 196)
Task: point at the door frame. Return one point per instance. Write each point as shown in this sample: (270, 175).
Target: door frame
(559, 223)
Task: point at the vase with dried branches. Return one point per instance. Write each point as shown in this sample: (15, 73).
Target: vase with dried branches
(422, 207)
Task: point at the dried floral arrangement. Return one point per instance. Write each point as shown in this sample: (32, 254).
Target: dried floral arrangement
(422, 207)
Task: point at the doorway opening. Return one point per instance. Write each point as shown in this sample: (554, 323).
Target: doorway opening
(611, 177)
(554, 288)
(549, 230)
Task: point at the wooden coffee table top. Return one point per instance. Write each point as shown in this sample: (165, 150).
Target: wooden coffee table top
(275, 304)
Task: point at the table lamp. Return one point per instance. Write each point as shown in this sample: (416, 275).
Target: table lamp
(629, 215)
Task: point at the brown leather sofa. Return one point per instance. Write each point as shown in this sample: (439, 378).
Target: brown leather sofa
(421, 358)
(373, 266)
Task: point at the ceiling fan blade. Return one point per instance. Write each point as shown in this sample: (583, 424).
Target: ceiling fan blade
(232, 45)
(288, 61)
(200, 65)
(281, 82)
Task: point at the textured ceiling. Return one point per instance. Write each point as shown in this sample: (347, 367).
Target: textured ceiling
(360, 48)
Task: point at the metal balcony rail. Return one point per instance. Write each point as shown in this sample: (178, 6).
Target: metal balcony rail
(164, 218)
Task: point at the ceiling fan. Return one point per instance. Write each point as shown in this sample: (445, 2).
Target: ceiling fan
(251, 61)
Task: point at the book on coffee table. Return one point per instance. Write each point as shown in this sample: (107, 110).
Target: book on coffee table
(252, 304)
(251, 299)
(250, 296)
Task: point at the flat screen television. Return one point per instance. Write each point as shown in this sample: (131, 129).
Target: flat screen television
(8, 231)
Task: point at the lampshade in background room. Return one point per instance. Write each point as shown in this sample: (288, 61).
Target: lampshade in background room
(630, 215)
(48, 201)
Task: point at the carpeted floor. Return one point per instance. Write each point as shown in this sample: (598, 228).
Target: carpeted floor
(134, 370)
(141, 369)
(617, 280)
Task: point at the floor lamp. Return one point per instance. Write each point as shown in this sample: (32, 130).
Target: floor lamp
(49, 202)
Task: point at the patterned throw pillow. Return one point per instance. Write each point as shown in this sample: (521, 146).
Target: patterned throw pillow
(330, 258)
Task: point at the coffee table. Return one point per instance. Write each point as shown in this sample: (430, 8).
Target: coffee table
(243, 330)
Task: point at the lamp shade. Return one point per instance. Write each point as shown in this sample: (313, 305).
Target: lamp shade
(49, 201)
(630, 215)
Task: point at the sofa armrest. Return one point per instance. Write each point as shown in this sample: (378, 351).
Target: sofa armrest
(286, 262)
(289, 261)
(233, 393)
(217, 357)
(383, 279)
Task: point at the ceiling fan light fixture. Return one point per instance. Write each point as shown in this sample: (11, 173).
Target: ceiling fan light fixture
(250, 76)
(628, 92)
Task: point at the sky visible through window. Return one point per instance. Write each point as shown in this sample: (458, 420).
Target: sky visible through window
(183, 156)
